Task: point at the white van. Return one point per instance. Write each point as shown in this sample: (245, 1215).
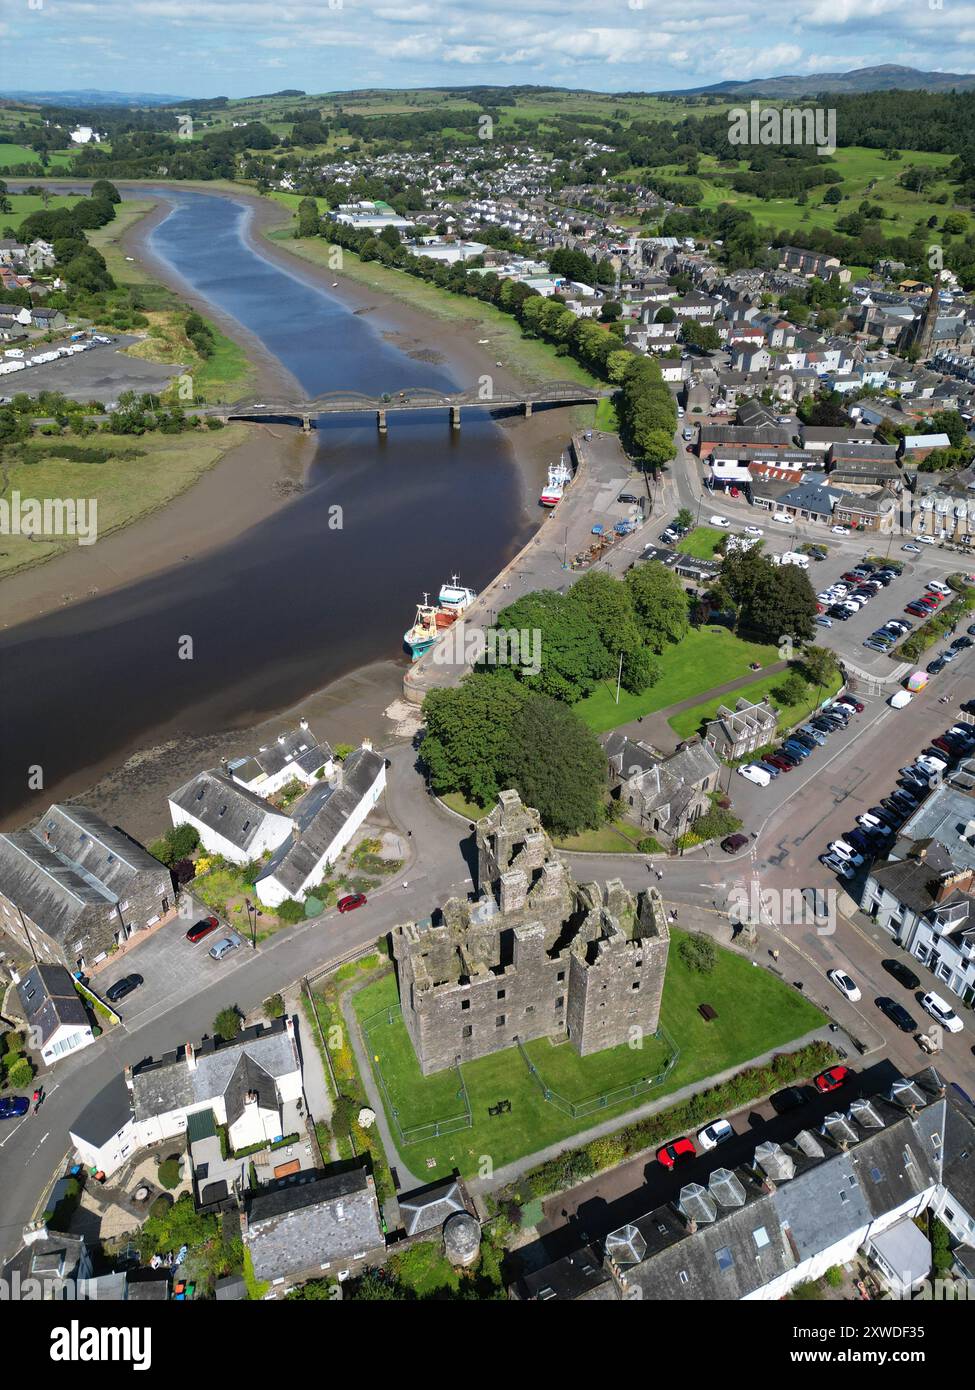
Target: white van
(938, 588)
(753, 773)
(900, 698)
(942, 1012)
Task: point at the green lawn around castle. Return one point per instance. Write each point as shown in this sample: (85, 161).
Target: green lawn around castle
(707, 657)
(756, 1013)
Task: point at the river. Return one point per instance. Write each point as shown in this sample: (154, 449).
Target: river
(293, 603)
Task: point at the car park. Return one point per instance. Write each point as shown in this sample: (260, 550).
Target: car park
(223, 947)
(122, 987)
(897, 1014)
(677, 1151)
(846, 986)
(832, 1079)
(901, 973)
(942, 1012)
(718, 1132)
(12, 1107)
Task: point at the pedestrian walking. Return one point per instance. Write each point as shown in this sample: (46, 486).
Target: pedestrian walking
(659, 873)
(409, 834)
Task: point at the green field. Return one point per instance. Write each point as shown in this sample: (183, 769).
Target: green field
(867, 176)
(126, 489)
(705, 658)
(772, 1016)
(22, 204)
(702, 542)
(689, 721)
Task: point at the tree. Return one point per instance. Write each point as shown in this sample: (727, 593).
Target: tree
(792, 689)
(659, 603)
(227, 1023)
(308, 220)
(608, 609)
(701, 335)
(782, 605)
(572, 655)
(610, 311)
(467, 731)
(557, 765)
(819, 664)
(664, 314)
(698, 953)
(833, 195)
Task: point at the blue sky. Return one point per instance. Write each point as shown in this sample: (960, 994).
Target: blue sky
(201, 48)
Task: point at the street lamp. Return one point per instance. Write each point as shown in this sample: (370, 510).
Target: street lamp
(252, 923)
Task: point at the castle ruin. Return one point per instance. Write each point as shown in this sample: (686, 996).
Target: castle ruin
(535, 955)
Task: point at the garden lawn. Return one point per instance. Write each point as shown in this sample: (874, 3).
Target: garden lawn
(756, 1013)
(707, 657)
(608, 839)
(689, 720)
(701, 542)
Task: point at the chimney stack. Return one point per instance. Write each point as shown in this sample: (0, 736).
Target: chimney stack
(190, 1056)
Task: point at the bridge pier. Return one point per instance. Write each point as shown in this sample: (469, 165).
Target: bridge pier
(528, 410)
(455, 417)
(381, 421)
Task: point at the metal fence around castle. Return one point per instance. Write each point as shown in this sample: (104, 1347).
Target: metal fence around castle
(606, 1100)
(434, 1129)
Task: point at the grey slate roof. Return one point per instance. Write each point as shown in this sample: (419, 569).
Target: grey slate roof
(427, 1208)
(49, 999)
(303, 1225)
(171, 1084)
(319, 818)
(300, 746)
(105, 1114)
(224, 807)
(70, 861)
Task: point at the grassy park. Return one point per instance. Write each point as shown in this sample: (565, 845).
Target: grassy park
(705, 658)
(775, 1016)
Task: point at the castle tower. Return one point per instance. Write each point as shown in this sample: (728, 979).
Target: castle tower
(922, 335)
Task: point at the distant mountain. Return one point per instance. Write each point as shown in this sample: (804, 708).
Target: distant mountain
(884, 78)
(91, 98)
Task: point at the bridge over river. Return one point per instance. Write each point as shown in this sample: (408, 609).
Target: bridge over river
(552, 393)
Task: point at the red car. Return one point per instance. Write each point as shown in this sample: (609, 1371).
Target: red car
(832, 1079)
(351, 901)
(778, 762)
(201, 929)
(675, 1152)
(849, 700)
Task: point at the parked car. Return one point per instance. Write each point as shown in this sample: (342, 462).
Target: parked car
(936, 587)
(731, 844)
(873, 824)
(351, 901)
(816, 735)
(789, 1098)
(12, 1107)
(961, 643)
(839, 866)
(223, 947)
(753, 773)
(846, 986)
(123, 987)
(933, 667)
(823, 621)
(677, 1151)
(897, 1014)
(770, 768)
(911, 548)
(719, 521)
(844, 851)
(840, 530)
(201, 929)
(942, 1012)
(901, 973)
(832, 1079)
(850, 700)
(718, 1132)
(777, 761)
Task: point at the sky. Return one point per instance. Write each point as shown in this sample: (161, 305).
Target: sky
(199, 48)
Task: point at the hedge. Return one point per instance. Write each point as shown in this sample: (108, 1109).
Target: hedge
(576, 1165)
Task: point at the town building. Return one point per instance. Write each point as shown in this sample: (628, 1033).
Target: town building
(536, 955)
(73, 888)
(661, 795)
(250, 1084)
(56, 1017)
(295, 756)
(733, 733)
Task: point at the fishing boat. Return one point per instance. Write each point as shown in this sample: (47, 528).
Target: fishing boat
(421, 636)
(454, 597)
(559, 477)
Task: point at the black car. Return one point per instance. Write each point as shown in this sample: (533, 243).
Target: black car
(123, 987)
(805, 740)
(933, 667)
(788, 757)
(901, 973)
(628, 497)
(961, 642)
(897, 1014)
(895, 811)
(839, 613)
(791, 1098)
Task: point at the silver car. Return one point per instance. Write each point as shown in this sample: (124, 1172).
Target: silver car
(225, 946)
